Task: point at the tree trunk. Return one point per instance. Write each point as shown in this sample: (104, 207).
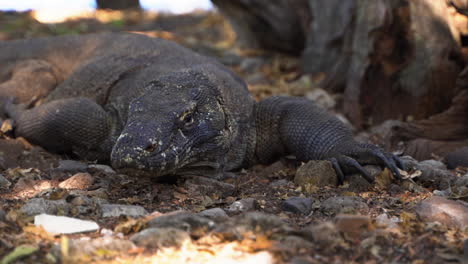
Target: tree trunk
(279, 25)
(391, 58)
(118, 4)
(441, 133)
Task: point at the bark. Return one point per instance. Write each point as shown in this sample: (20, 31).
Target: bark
(118, 4)
(441, 133)
(391, 58)
(279, 25)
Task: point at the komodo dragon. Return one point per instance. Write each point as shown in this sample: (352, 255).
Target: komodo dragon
(151, 105)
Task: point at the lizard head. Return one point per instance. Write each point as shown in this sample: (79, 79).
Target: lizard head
(180, 125)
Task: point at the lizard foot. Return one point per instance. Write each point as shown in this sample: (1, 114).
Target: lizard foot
(350, 161)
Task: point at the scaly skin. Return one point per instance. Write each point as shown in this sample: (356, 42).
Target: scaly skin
(153, 106)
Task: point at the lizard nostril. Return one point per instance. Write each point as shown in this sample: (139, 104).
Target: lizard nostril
(151, 148)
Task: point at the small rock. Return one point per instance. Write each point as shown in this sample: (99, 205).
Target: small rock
(383, 132)
(71, 166)
(343, 205)
(298, 205)
(448, 212)
(230, 59)
(100, 193)
(256, 78)
(384, 220)
(279, 183)
(102, 167)
(433, 173)
(295, 243)
(214, 213)
(252, 222)
(116, 210)
(315, 173)
(2, 215)
(154, 238)
(275, 170)
(434, 164)
(462, 181)
(64, 225)
(457, 158)
(195, 224)
(321, 98)
(353, 225)
(395, 189)
(4, 183)
(209, 187)
(37, 206)
(301, 260)
(250, 65)
(243, 205)
(324, 234)
(90, 247)
(357, 183)
(80, 181)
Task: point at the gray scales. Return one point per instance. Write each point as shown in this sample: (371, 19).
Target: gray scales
(151, 105)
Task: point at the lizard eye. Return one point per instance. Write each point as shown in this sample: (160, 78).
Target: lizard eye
(187, 120)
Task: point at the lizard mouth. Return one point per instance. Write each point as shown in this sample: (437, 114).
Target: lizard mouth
(168, 162)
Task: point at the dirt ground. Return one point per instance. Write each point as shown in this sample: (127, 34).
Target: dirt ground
(378, 223)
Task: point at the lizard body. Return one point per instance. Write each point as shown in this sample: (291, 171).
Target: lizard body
(152, 105)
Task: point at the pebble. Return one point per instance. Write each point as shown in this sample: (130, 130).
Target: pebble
(116, 210)
(318, 173)
(2, 215)
(447, 212)
(154, 238)
(214, 214)
(37, 206)
(72, 166)
(4, 183)
(353, 225)
(386, 221)
(101, 167)
(298, 205)
(250, 65)
(457, 158)
(243, 205)
(321, 98)
(343, 205)
(85, 247)
(195, 224)
(324, 234)
(279, 183)
(357, 183)
(256, 78)
(230, 59)
(434, 174)
(80, 181)
(64, 225)
(209, 187)
(252, 222)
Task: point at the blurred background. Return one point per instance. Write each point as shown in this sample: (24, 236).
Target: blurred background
(59, 10)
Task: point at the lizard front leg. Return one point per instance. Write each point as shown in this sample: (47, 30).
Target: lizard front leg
(76, 125)
(292, 125)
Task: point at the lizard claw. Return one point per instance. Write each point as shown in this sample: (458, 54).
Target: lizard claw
(348, 164)
(350, 161)
(372, 154)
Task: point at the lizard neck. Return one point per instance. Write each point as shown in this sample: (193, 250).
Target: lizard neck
(268, 144)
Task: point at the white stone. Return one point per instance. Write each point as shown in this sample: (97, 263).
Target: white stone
(64, 225)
